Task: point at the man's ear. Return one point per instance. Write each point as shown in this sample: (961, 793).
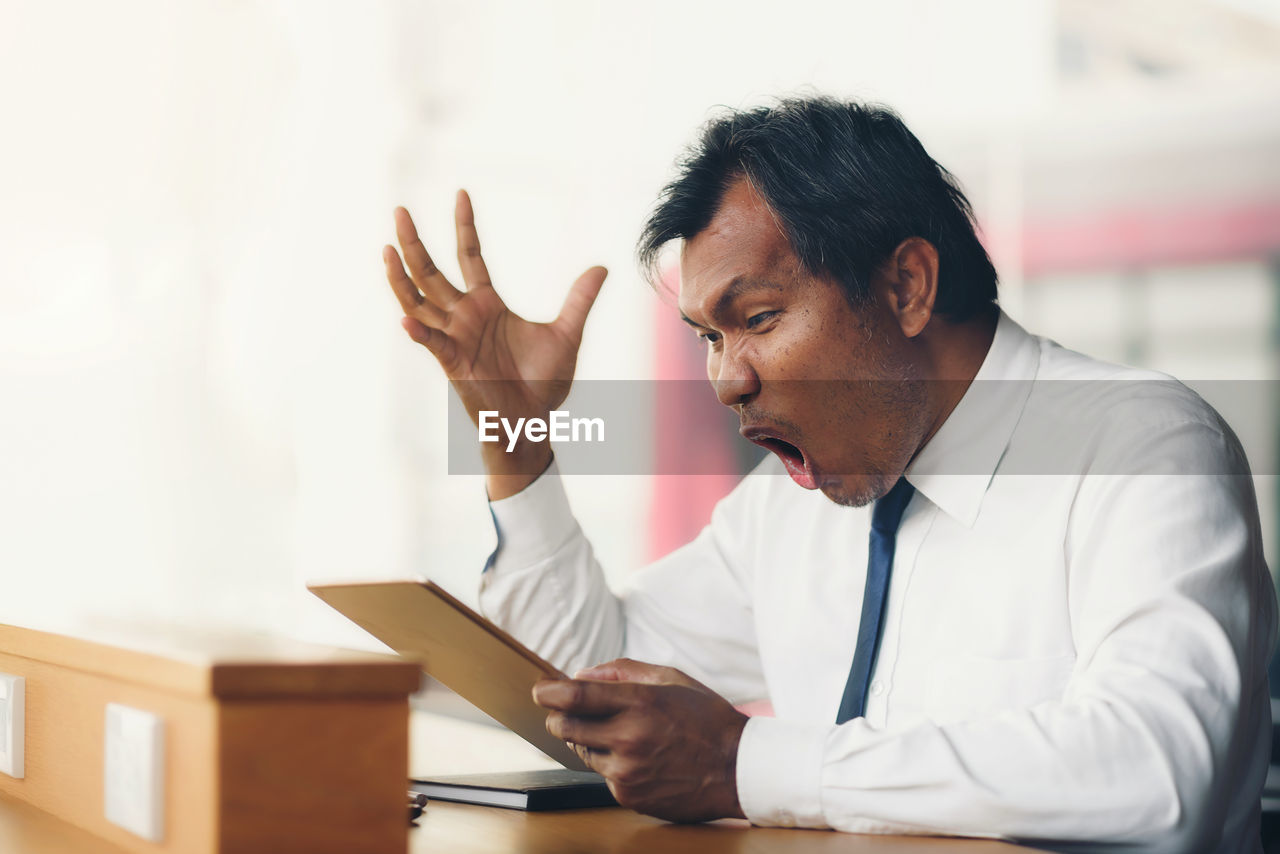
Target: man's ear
(910, 282)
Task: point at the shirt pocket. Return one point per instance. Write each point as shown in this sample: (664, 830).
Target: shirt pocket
(970, 686)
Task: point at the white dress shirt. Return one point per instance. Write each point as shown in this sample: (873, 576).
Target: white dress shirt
(1077, 654)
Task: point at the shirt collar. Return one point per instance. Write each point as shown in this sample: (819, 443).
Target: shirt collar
(955, 468)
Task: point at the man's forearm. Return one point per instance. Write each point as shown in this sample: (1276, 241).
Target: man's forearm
(543, 584)
(1094, 771)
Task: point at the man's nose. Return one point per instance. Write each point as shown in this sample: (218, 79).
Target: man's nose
(735, 381)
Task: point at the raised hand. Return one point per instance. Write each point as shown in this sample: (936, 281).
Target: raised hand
(495, 359)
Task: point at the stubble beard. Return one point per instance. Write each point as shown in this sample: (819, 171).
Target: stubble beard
(860, 494)
(900, 392)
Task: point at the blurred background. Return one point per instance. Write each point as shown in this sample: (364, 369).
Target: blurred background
(205, 396)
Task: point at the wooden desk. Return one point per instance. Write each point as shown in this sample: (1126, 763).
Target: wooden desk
(464, 829)
(444, 745)
(461, 829)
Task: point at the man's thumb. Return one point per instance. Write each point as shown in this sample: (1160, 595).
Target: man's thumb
(573, 314)
(625, 670)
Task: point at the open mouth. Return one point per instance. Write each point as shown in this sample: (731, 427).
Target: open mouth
(793, 459)
(784, 450)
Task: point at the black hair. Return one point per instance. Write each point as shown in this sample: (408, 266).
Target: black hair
(848, 183)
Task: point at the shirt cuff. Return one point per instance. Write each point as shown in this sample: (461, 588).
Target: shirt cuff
(536, 522)
(780, 772)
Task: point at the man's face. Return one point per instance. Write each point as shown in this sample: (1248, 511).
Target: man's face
(833, 391)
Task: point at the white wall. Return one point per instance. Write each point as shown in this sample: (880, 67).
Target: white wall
(206, 398)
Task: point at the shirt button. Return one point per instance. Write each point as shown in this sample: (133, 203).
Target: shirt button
(877, 688)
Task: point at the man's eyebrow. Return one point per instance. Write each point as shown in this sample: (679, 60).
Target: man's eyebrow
(739, 286)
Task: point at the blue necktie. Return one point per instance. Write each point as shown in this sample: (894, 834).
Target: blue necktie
(885, 517)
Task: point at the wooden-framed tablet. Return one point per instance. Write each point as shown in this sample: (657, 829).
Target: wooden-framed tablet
(459, 647)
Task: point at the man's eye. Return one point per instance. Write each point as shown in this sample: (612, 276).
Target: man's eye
(763, 317)
(709, 337)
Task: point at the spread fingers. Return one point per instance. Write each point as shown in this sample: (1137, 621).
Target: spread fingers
(422, 270)
(411, 299)
(474, 271)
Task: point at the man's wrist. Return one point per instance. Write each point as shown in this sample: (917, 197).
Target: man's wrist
(534, 524)
(509, 473)
(734, 805)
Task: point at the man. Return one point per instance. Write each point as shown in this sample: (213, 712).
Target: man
(1005, 590)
